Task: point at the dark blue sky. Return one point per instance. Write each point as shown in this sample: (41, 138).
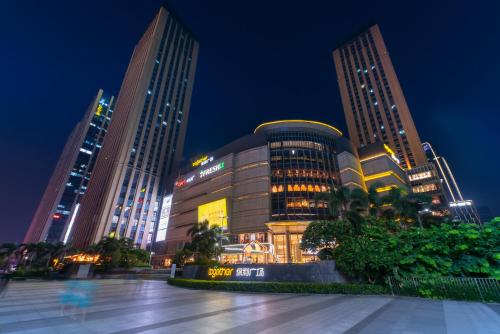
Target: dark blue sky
(259, 60)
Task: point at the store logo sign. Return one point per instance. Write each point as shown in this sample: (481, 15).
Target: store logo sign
(202, 161)
(211, 170)
(249, 272)
(183, 182)
(219, 272)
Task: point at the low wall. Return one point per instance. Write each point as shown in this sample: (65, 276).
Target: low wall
(321, 272)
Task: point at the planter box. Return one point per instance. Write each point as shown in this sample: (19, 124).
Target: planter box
(319, 272)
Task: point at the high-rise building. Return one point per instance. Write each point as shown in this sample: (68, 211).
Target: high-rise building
(145, 141)
(374, 104)
(69, 181)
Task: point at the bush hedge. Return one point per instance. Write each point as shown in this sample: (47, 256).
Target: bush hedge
(284, 287)
(486, 290)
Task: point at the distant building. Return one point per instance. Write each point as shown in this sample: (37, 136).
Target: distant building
(70, 179)
(425, 179)
(146, 138)
(460, 208)
(374, 104)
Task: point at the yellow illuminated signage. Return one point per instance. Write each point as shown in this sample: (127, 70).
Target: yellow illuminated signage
(202, 161)
(83, 258)
(99, 110)
(214, 212)
(220, 272)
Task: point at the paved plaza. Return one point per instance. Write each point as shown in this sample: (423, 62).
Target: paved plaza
(128, 306)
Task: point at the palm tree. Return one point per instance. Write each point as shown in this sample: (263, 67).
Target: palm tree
(405, 206)
(206, 240)
(374, 200)
(344, 203)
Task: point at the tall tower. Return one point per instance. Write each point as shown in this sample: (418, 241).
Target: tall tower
(374, 105)
(69, 181)
(146, 138)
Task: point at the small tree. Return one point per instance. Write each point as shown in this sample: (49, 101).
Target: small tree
(206, 240)
(324, 234)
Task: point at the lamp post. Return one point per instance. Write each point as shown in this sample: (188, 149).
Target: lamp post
(150, 257)
(219, 237)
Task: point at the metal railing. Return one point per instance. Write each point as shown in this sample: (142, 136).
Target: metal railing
(460, 288)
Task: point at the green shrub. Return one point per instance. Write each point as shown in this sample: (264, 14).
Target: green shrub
(203, 261)
(447, 288)
(284, 287)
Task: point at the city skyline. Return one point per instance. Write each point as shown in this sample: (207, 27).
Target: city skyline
(331, 113)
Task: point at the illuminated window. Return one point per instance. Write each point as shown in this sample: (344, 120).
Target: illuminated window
(296, 187)
(280, 188)
(303, 187)
(310, 188)
(274, 189)
(289, 187)
(420, 176)
(425, 188)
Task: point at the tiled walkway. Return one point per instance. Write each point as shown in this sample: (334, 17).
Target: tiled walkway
(120, 306)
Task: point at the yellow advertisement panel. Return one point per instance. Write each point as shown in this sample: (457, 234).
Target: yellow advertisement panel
(215, 212)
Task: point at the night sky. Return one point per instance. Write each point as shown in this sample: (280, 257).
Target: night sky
(259, 61)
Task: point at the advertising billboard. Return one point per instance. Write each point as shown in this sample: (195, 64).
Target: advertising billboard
(215, 212)
(164, 217)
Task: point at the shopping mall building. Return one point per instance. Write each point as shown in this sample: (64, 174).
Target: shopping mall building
(262, 189)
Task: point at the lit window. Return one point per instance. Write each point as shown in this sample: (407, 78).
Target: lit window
(85, 151)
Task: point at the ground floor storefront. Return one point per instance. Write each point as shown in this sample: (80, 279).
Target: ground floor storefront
(280, 244)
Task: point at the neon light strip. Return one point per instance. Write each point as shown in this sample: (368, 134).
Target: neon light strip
(441, 169)
(66, 236)
(383, 174)
(298, 121)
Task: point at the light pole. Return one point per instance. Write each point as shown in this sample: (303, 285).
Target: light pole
(150, 257)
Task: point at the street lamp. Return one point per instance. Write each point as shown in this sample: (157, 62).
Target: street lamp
(150, 257)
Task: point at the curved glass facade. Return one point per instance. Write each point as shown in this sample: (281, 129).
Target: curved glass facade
(303, 164)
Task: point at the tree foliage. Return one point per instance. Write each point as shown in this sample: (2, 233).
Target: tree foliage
(205, 246)
(385, 248)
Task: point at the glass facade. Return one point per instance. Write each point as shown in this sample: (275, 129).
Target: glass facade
(151, 156)
(93, 129)
(303, 164)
